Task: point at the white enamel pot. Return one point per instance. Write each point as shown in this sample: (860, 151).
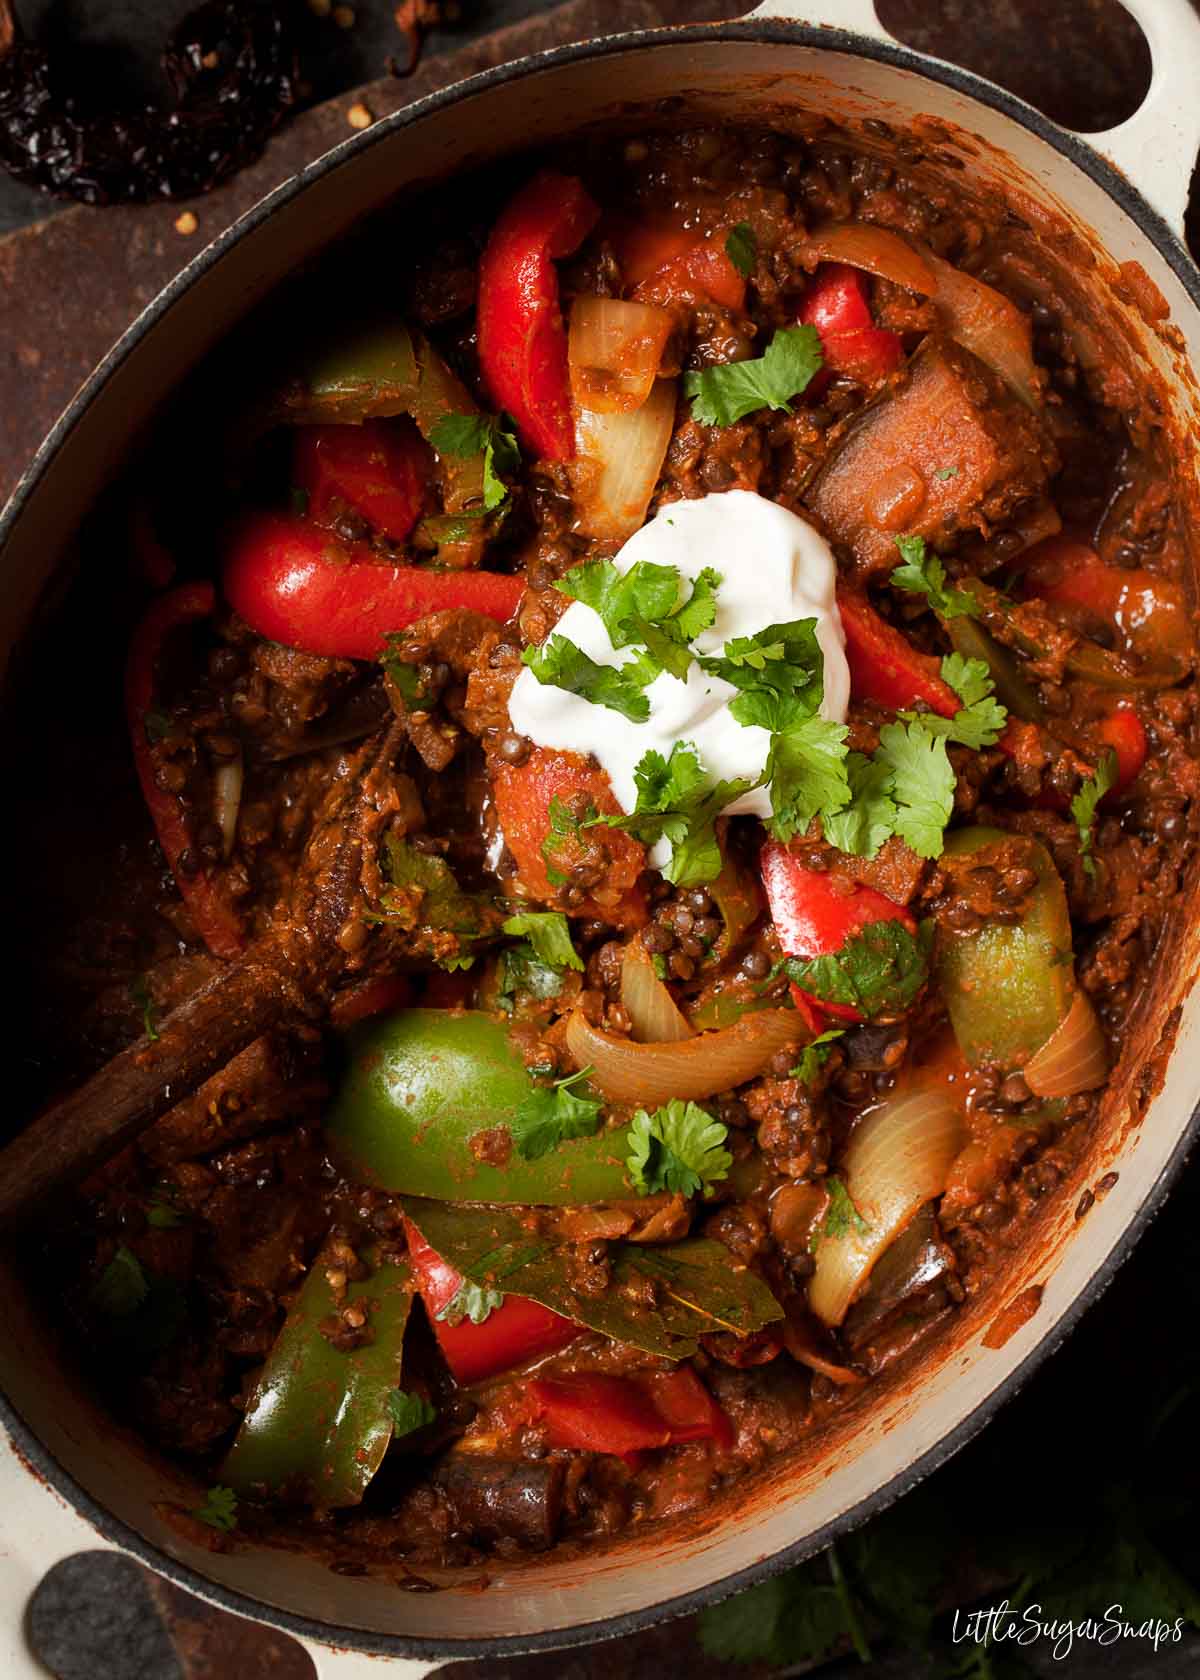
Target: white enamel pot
(1123, 193)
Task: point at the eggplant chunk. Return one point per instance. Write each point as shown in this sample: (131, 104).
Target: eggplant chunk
(952, 450)
(504, 1500)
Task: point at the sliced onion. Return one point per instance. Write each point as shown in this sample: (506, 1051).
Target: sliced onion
(651, 1007)
(808, 1345)
(897, 1161)
(227, 800)
(618, 460)
(1074, 1058)
(696, 1067)
(988, 324)
(614, 350)
(875, 250)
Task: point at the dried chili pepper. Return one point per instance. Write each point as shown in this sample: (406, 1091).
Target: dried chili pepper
(232, 66)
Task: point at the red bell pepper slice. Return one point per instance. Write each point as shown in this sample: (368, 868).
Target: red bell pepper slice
(522, 794)
(884, 665)
(836, 305)
(1147, 611)
(379, 469)
(205, 893)
(511, 1334)
(1122, 730)
(298, 584)
(594, 1412)
(522, 339)
(815, 915)
(664, 264)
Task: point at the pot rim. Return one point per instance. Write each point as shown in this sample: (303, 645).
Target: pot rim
(1076, 149)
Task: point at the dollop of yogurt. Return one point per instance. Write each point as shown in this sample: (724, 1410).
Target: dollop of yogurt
(774, 567)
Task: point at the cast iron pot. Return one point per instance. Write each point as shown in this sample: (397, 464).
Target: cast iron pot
(1121, 195)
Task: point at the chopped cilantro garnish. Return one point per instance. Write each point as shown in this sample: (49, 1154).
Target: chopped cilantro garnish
(476, 1301)
(647, 606)
(679, 1147)
(489, 435)
(142, 996)
(880, 970)
(947, 472)
(922, 784)
(423, 894)
(922, 573)
(219, 1509)
(405, 677)
(162, 1214)
(721, 395)
(408, 1412)
(979, 722)
(1083, 806)
(814, 1056)
(549, 932)
(862, 826)
(122, 1286)
(841, 1216)
(547, 1118)
(741, 247)
(561, 664)
(676, 802)
(807, 772)
(564, 830)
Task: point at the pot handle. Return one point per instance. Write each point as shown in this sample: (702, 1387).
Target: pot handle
(1155, 148)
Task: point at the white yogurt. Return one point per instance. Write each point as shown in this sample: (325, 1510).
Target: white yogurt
(774, 568)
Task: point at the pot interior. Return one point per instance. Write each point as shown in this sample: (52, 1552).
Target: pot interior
(777, 76)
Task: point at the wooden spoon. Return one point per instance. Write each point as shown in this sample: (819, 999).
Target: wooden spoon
(290, 971)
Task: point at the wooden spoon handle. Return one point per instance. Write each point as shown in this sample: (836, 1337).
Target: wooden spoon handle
(74, 1135)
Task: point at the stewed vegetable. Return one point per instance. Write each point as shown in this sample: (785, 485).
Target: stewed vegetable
(760, 652)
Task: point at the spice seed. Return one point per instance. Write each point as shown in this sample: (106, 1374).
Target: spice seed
(186, 222)
(358, 116)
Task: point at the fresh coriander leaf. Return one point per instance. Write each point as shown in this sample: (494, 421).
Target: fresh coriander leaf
(679, 1147)
(660, 965)
(157, 725)
(721, 395)
(814, 1056)
(142, 996)
(549, 932)
(922, 573)
(741, 247)
(408, 1412)
(423, 898)
(476, 1301)
(807, 772)
(861, 827)
(981, 719)
(796, 1618)
(122, 1285)
(922, 786)
(219, 1509)
(162, 1214)
(969, 678)
(547, 1118)
(947, 472)
(523, 972)
(675, 801)
(880, 970)
(1083, 806)
(405, 677)
(564, 830)
(780, 671)
(475, 434)
(645, 606)
(841, 1216)
(561, 664)
(461, 434)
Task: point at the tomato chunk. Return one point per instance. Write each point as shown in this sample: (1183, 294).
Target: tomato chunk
(379, 470)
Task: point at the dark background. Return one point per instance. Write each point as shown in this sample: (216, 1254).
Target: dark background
(1098, 1454)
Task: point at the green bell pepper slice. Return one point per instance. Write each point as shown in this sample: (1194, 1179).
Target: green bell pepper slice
(1007, 989)
(422, 1084)
(694, 1287)
(318, 1423)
